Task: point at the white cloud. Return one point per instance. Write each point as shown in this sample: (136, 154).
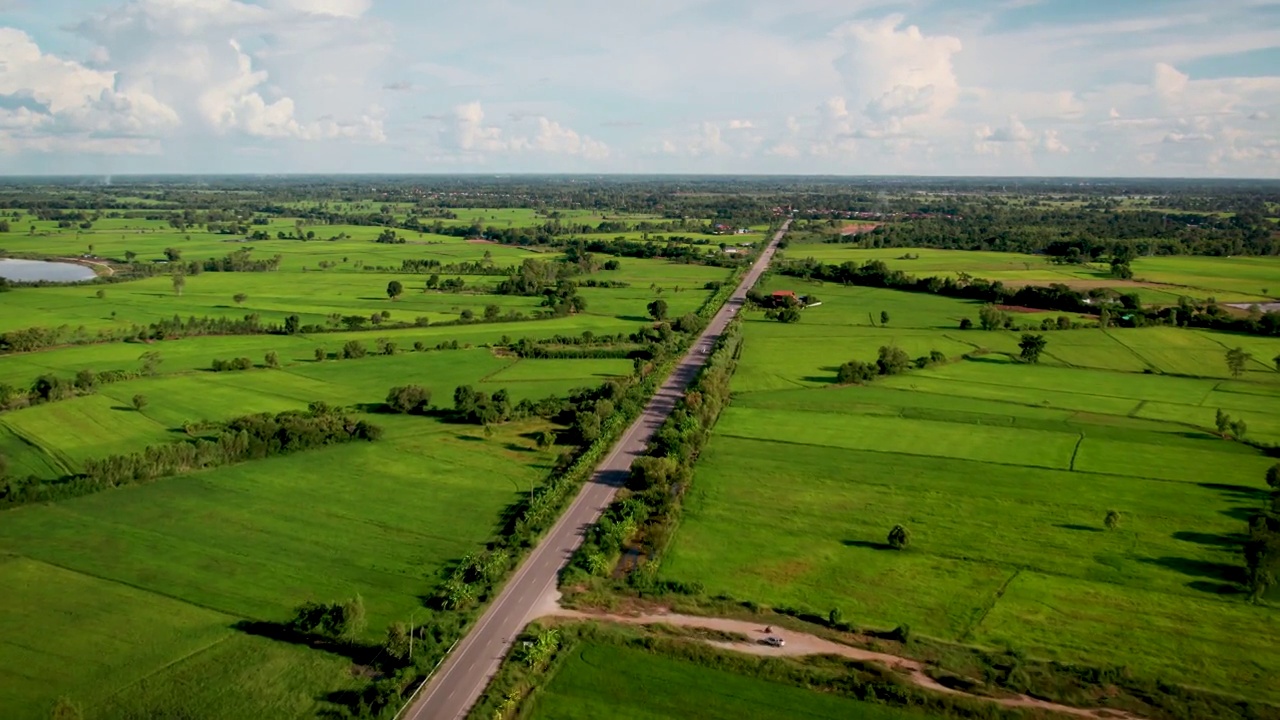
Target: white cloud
(471, 136)
(63, 104)
(898, 73)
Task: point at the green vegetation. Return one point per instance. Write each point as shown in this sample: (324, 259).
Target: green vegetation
(1008, 476)
(620, 682)
(241, 569)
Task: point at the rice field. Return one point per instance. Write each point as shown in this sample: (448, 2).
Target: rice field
(1003, 472)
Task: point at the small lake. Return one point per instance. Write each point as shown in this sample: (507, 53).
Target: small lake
(35, 270)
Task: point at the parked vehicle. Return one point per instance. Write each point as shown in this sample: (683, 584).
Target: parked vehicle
(774, 641)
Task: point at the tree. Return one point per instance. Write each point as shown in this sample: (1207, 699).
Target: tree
(1239, 428)
(1276, 360)
(353, 618)
(491, 312)
(1112, 520)
(239, 298)
(101, 294)
(150, 361)
(899, 537)
(398, 643)
(788, 315)
(658, 309)
(353, 349)
(292, 325)
(892, 360)
(320, 355)
(272, 359)
(856, 371)
(467, 314)
(130, 256)
(835, 617)
(990, 317)
(546, 439)
(1222, 421)
(407, 399)
(139, 402)
(179, 282)
(433, 282)
(173, 254)
(884, 318)
(86, 379)
(394, 289)
(1273, 478)
(1237, 358)
(966, 324)
(1031, 346)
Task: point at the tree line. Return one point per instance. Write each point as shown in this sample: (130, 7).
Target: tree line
(251, 437)
(1123, 309)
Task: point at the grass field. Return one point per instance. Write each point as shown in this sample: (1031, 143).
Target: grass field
(251, 541)
(1004, 473)
(601, 681)
(1160, 280)
(128, 600)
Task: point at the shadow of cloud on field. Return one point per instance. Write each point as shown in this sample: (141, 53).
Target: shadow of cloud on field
(1079, 528)
(870, 544)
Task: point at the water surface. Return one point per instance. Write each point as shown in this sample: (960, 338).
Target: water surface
(34, 270)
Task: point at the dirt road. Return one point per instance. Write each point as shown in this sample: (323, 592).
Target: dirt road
(799, 643)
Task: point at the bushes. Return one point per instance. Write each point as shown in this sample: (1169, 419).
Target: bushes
(336, 620)
(242, 363)
(409, 399)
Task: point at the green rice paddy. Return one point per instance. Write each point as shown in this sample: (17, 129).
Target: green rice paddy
(1003, 472)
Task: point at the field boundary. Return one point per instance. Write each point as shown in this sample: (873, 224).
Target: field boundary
(966, 637)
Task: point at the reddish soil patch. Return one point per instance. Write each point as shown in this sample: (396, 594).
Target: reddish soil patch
(482, 241)
(1017, 309)
(858, 229)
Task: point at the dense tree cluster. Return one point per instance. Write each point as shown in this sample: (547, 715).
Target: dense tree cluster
(1082, 234)
(659, 480)
(335, 620)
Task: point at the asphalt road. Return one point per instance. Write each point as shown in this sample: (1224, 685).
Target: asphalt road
(462, 677)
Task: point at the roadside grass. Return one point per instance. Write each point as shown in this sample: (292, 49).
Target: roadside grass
(1004, 472)
(600, 680)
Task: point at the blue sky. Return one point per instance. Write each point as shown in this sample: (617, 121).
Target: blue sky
(971, 87)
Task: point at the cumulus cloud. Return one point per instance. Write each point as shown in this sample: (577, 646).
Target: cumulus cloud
(67, 102)
(469, 134)
(235, 68)
(892, 72)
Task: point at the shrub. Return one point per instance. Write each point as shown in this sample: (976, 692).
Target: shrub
(899, 537)
(408, 399)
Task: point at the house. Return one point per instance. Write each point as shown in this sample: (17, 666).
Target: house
(783, 294)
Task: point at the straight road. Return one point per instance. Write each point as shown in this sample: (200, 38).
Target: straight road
(460, 680)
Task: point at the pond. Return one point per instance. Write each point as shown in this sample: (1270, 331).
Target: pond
(34, 270)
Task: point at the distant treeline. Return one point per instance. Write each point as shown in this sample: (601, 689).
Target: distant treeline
(1089, 235)
(252, 437)
(1125, 310)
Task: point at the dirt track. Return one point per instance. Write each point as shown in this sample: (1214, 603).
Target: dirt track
(800, 644)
